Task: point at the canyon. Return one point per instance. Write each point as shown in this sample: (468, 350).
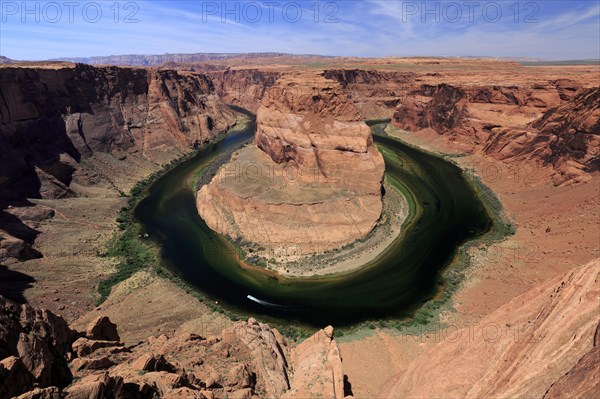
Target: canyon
(75, 138)
(75, 130)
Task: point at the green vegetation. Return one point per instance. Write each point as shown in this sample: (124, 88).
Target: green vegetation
(134, 253)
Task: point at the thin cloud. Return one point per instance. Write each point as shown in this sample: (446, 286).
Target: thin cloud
(363, 28)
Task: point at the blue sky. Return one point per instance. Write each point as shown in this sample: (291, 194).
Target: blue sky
(70, 28)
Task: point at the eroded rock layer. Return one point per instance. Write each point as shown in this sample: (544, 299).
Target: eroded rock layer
(565, 137)
(51, 119)
(311, 182)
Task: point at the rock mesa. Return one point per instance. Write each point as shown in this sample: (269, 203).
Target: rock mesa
(311, 182)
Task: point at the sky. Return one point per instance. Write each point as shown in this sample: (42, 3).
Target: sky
(545, 29)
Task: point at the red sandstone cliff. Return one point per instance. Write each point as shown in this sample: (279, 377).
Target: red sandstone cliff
(53, 118)
(539, 344)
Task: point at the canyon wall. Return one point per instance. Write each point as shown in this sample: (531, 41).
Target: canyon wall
(374, 93)
(556, 125)
(75, 130)
(52, 118)
(316, 177)
(243, 87)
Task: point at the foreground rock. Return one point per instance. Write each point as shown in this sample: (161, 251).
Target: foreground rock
(543, 340)
(311, 182)
(41, 357)
(34, 345)
(317, 366)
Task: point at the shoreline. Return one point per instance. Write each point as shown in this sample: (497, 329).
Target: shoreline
(357, 255)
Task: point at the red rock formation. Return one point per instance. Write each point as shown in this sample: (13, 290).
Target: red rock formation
(33, 346)
(374, 93)
(309, 122)
(317, 368)
(578, 383)
(313, 181)
(572, 131)
(247, 359)
(243, 87)
(102, 329)
(446, 112)
(565, 137)
(51, 119)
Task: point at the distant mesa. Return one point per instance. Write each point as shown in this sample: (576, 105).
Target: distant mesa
(5, 60)
(160, 59)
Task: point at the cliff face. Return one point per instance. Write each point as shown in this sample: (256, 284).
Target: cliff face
(446, 111)
(243, 87)
(573, 133)
(508, 353)
(309, 122)
(566, 137)
(374, 93)
(53, 118)
(312, 181)
(498, 122)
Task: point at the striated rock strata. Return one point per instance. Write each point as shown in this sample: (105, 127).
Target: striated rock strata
(51, 119)
(72, 130)
(565, 137)
(243, 87)
(312, 181)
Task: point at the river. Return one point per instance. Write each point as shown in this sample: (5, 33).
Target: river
(447, 212)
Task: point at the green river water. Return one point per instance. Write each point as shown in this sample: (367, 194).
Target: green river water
(446, 213)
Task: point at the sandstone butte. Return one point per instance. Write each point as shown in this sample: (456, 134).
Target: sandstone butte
(312, 180)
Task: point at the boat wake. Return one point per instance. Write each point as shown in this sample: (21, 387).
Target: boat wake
(265, 303)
